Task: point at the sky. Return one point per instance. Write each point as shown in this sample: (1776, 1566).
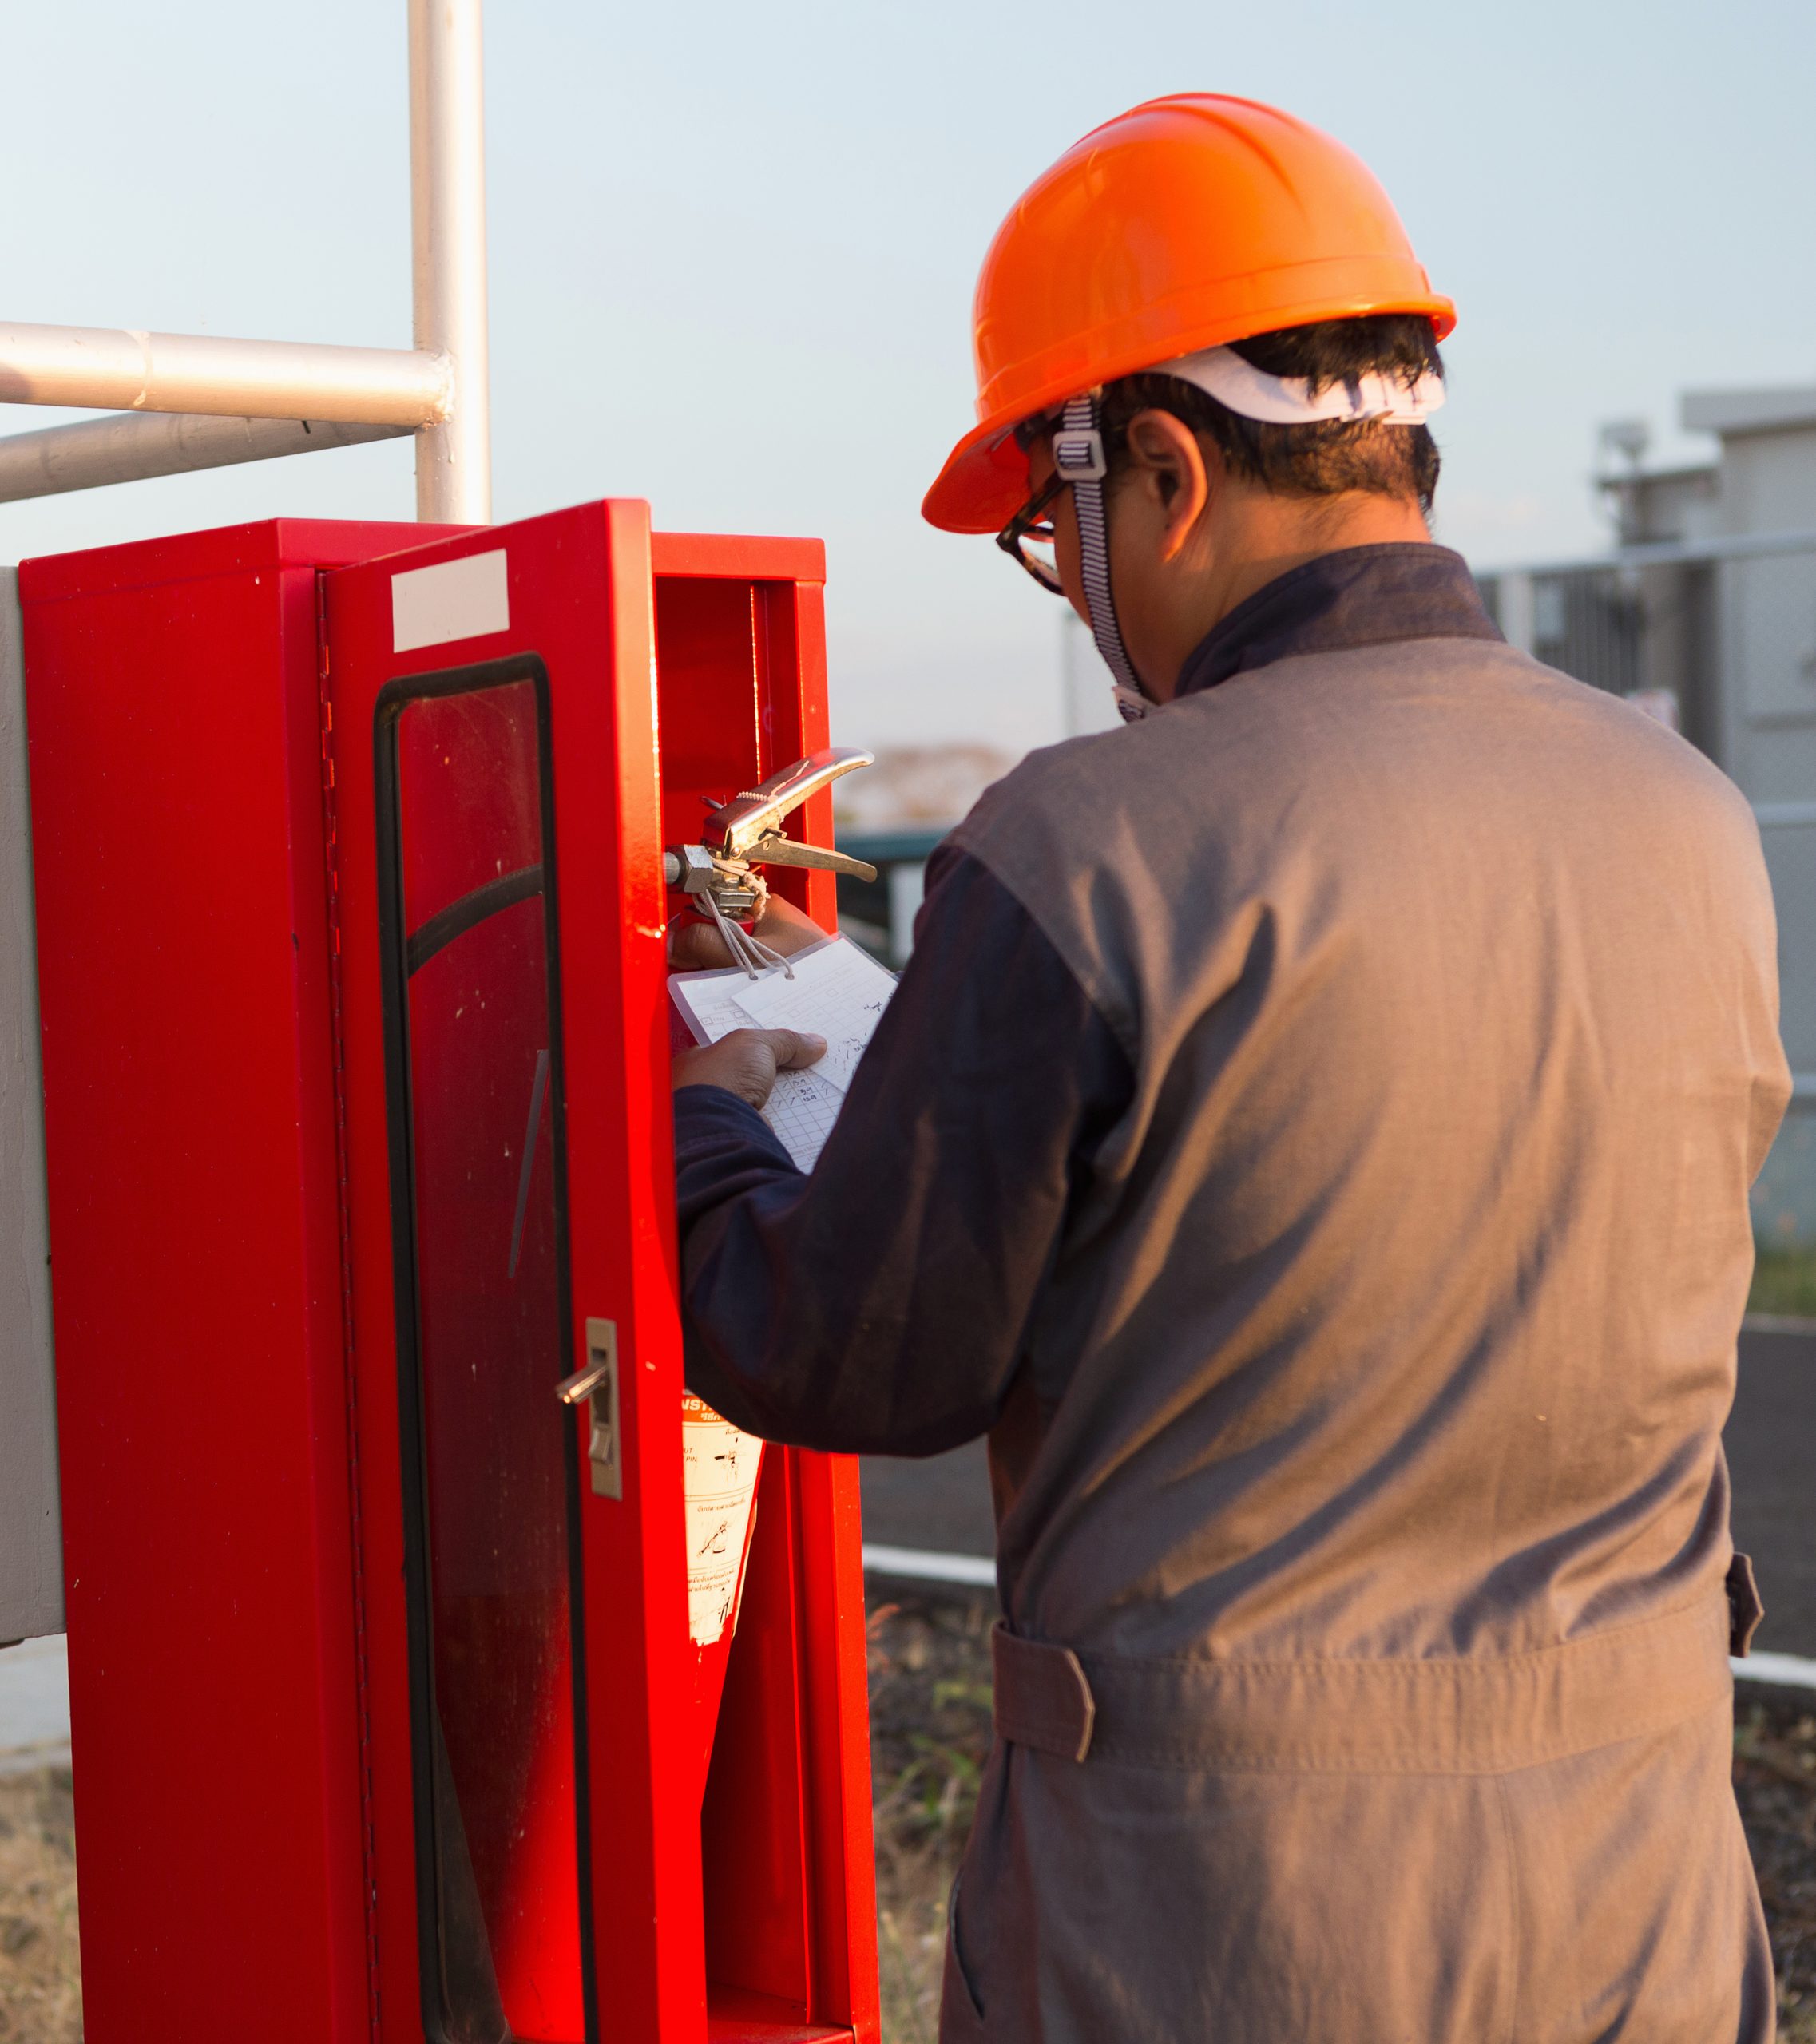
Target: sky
(733, 250)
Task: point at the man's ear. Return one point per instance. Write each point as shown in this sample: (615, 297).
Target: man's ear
(1164, 456)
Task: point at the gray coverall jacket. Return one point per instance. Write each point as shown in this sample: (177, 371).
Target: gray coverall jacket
(1364, 1529)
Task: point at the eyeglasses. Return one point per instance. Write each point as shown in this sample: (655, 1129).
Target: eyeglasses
(1029, 536)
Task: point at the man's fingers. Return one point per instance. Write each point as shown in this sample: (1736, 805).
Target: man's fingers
(793, 1050)
(694, 945)
(786, 929)
(747, 1061)
(697, 947)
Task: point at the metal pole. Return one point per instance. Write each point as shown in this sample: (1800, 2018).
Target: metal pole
(230, 392)
(133, 446)
(447, 191)
(114, 369)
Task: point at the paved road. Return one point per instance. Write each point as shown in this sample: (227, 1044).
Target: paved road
(944, 1503)
(34, 1706)
(1771, 1452)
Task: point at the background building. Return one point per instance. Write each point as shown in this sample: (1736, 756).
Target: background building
(893, 814)
(1706, 615)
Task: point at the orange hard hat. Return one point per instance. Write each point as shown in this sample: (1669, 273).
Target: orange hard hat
(1186, 224)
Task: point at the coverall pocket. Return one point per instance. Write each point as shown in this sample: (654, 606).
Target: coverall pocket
(960, 2014)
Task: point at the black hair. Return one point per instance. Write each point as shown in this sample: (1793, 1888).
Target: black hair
(1320, 459)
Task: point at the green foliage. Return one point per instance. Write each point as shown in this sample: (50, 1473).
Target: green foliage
(1784, 1282)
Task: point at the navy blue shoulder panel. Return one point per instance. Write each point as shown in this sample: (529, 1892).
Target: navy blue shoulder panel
(878, 1304)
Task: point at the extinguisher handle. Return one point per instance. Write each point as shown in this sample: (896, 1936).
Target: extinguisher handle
(774, 848)
(733, 828)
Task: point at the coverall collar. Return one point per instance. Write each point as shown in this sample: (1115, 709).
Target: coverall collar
(1363, 595)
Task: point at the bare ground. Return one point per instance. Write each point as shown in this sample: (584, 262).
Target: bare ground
(930, 1737)
(931, 1733)
(41, 1995)
(1774, 1778)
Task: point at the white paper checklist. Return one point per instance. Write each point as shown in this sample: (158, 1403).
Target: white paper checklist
(838, 991)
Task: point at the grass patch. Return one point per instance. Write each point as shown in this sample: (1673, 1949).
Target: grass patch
(929, 1657)
(41, 1975)
(1784, 1281)
(1775, 1780)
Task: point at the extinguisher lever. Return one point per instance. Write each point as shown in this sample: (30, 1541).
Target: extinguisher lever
(733, 830)
(774, 848)
(747, 832)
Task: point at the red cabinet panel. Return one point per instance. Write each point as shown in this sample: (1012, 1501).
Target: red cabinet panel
(388, 1723)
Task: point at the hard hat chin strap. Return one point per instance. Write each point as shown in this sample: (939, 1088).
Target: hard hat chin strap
(1078, 456)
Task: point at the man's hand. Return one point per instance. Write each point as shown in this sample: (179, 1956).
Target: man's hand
(697, 947)
(746, 1062)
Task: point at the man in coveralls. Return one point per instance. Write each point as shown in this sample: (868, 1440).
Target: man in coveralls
(1313, 1138)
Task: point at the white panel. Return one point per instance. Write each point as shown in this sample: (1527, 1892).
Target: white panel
(455, 600)
(31, 1547)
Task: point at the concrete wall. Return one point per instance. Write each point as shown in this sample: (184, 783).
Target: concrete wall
(31, 1547)
(1765, 613)
(1766, 658)
(1784, 1201)
(1768, 481)
(1788, 836)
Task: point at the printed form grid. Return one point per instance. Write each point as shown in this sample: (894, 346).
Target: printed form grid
(838, 991)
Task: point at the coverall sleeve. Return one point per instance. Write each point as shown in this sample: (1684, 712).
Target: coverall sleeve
(878, 1304)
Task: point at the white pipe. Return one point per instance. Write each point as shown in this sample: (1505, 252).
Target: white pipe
(133, 446)
(1794, 1671)
(112, 370)
(1667, 553)
(919, 1564)
(447, 190)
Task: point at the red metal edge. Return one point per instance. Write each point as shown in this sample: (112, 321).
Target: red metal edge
(741, 2018)
(836, 1694)
(834, 1674)
(814, 732)
(581, 597)
(650, 1372)
(791, 618)
(732, 557)
(838, 1684)
(349, 1434)
(273, 543)
(162, 1953)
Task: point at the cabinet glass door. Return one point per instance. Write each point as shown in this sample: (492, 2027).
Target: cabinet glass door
(491, 1537)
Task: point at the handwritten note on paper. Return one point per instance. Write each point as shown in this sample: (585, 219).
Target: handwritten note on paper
(838, 991)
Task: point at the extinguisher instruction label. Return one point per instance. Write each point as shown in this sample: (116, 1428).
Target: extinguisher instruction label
(720, 1462)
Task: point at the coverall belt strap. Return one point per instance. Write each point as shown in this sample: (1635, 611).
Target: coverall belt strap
(1041, 1698)
(1485, 1714)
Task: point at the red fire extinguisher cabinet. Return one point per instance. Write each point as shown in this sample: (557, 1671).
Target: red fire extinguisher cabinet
(389, 1721)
